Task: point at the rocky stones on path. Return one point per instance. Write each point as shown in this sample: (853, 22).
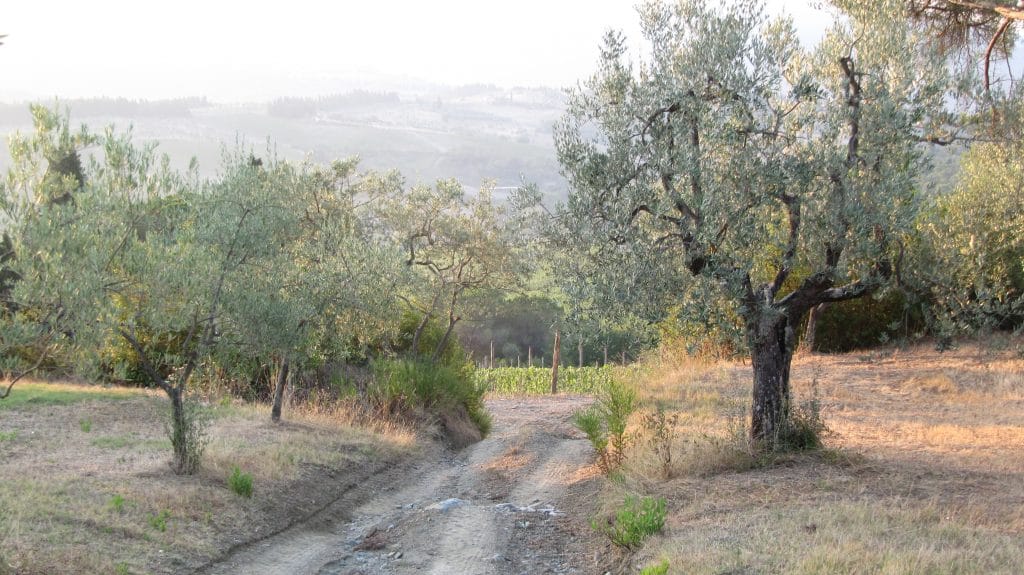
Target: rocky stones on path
(447, 505)
(374, 541)
(550, 511)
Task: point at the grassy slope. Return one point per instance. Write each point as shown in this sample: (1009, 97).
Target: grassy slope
(85, 486)
(924, 471)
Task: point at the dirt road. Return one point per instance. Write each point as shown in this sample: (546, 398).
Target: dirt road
(518, 502)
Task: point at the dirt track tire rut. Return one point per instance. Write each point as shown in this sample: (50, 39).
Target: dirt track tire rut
(517, 502)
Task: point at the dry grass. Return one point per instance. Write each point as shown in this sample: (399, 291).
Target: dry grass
(80, 498)
(924, 471)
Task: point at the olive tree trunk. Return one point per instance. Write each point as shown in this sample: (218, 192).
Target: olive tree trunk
(772, 340)
(282, 381)
(183, 461)
(811, 332)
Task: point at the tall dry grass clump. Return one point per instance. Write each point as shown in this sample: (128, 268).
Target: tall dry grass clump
(693, 420)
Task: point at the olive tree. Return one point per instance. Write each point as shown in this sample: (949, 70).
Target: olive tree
(141, 252)
(36, 199)
(969, 259)
(732, 160)
(333, 273)
(459, 246)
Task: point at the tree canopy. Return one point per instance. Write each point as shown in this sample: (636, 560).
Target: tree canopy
(731, 159)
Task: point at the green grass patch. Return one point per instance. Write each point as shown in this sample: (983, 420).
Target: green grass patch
(656, 569)
(113, 441)
(636, 520)
(28, 395)
(158, 521)
(8, 435)
(240, 482)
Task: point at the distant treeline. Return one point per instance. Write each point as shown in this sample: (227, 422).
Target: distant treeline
(305, 107)
(106, 107)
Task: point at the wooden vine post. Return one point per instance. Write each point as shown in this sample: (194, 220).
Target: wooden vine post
(554, 362)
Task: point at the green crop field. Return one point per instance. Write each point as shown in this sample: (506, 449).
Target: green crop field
(537, 380)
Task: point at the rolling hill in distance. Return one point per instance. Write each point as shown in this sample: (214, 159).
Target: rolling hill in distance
(470, 133)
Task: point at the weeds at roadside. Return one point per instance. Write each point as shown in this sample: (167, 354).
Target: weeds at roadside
(8, 435)
(158, 521)
(604, 424)
(121, 569)
(240, 482)
(117, 503)
(635, 521)
(85, 425)
(662, 427)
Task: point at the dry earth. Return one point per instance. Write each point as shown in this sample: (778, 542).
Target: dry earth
(924, 471)
(517, 502)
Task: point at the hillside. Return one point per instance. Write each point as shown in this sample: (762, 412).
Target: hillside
(470, 133)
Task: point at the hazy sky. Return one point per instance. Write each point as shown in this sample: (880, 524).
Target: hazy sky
(233, 50)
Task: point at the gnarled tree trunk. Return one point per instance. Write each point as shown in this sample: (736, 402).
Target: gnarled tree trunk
(772, 340)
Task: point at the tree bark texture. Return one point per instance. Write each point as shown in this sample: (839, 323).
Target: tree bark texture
(418, 334)
(179, 432)
(772, 339)
(282, 380)
(439, 350)
(811, 333)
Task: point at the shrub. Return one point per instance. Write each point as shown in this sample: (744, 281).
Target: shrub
(662, 428)
(590, 422)
(604, 423)
(117, 503)
(402, 384)
(158, 521)
(481, 419)
(804, 429)
(240, 483)
(638, 519)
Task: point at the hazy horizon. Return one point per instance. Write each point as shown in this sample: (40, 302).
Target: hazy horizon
(257, 51)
